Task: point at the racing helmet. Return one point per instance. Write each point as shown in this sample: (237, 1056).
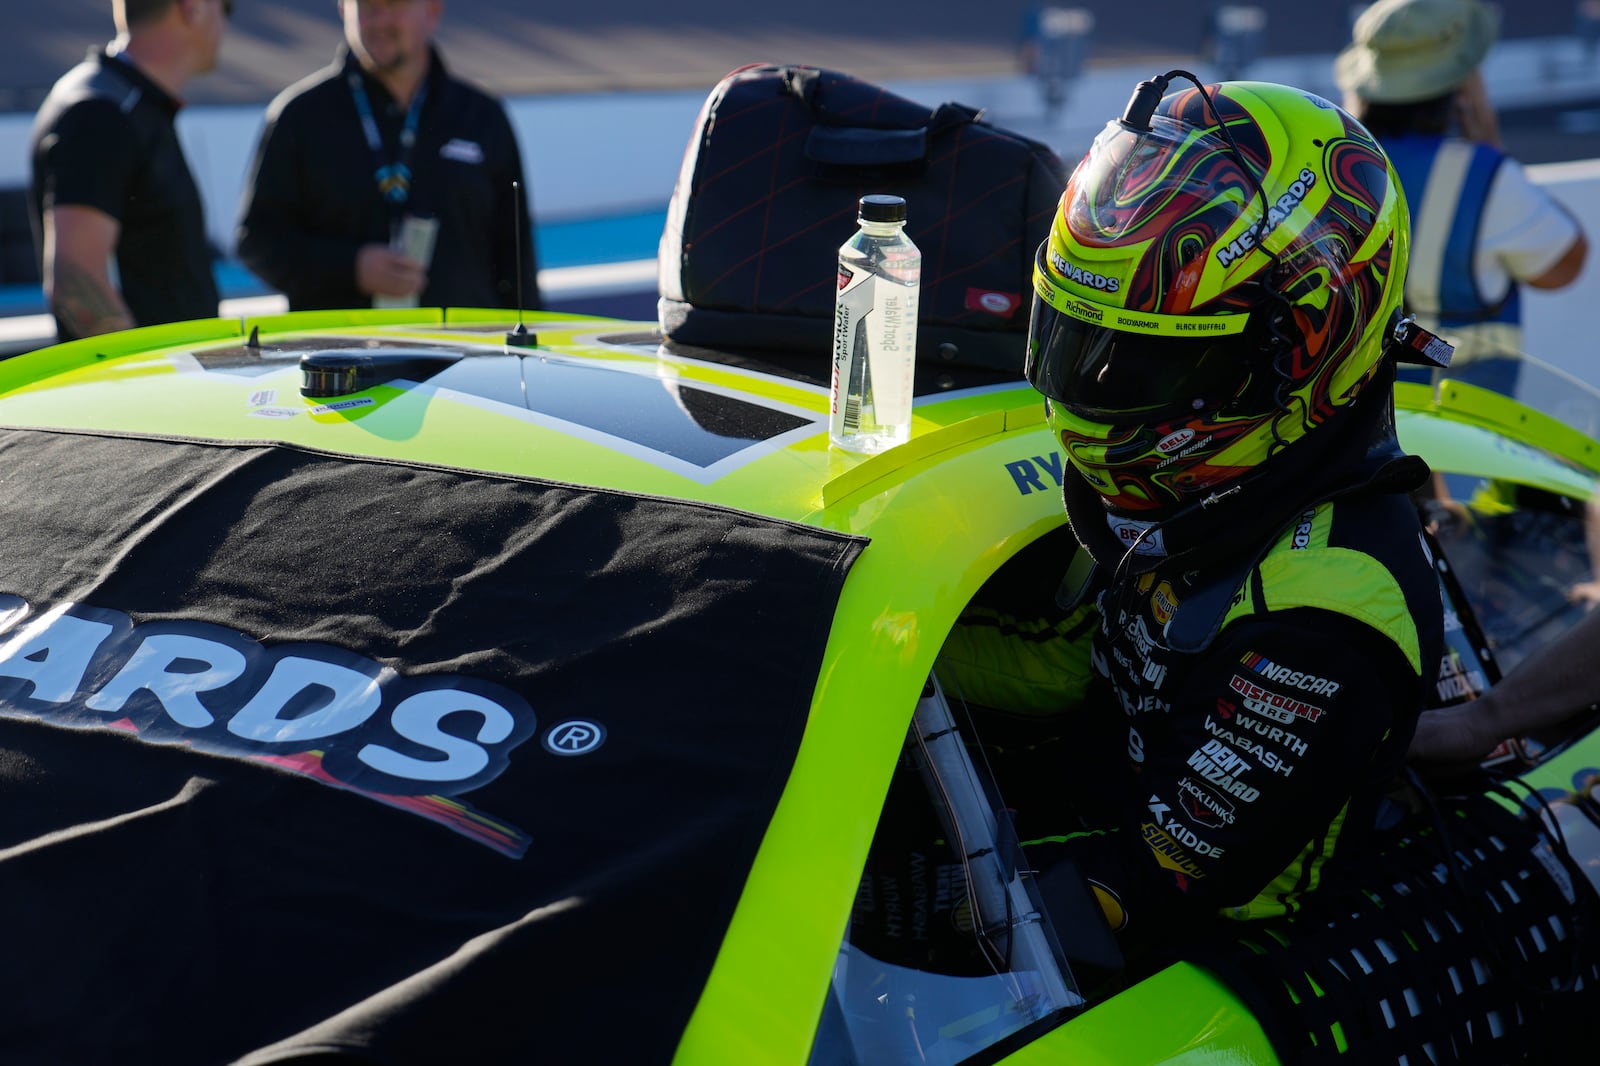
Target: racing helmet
(1221, 278)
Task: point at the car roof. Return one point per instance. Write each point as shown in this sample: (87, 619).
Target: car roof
(593, 402)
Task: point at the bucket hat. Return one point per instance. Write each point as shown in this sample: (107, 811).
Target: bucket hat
(1403, 51)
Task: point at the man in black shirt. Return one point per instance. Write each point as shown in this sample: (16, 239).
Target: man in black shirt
(110, 182)
(363, 151)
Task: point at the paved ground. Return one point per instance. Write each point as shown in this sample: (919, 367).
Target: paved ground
(517, 47)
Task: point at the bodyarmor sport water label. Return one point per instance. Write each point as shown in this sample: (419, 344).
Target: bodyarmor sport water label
(851, 381)
(874, 349)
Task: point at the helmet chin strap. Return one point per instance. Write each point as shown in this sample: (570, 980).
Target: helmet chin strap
(1283, 345)
(1410, 343)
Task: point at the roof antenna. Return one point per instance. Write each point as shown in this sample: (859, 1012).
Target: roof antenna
(519, 337)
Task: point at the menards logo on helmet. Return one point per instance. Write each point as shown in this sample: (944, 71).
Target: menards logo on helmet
(1281, 210)
(1087, 278)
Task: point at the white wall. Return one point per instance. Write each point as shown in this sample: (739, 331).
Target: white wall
(583, 155)
(588, 155)
(1563, 327)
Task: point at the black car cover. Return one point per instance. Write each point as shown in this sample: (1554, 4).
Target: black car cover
(302, 754)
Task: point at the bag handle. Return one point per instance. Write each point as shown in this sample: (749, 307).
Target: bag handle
(801, 83)
(835, 141)
(850, 146)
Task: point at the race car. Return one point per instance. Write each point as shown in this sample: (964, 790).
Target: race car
(427, 686)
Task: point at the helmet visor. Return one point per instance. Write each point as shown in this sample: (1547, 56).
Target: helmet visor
(1107, 364)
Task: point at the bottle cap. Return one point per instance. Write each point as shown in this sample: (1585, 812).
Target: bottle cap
(881, 207)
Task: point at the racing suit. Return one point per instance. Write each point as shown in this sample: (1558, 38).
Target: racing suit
(1256, 682)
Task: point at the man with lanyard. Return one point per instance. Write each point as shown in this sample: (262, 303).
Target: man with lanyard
(116, 215)
(363, 155)
(1480, 227)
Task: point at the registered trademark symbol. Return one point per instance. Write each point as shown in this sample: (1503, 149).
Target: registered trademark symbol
(576, 737)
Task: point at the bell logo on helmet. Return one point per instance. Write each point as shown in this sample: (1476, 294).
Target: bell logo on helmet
(1173, 441)
(1186, 450)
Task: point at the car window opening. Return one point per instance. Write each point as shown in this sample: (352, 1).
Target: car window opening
(950, 949)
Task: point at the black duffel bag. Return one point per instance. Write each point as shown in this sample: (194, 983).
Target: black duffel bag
(768, 191)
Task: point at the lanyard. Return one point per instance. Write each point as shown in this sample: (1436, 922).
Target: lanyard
(393, 175)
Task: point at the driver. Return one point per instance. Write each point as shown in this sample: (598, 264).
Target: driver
(1214, 331)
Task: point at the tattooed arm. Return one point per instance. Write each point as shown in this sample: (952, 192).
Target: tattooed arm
(78, 245)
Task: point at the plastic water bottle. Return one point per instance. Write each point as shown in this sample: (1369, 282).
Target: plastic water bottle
(875, 330)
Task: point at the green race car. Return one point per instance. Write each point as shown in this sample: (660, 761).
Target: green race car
(382, 687)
